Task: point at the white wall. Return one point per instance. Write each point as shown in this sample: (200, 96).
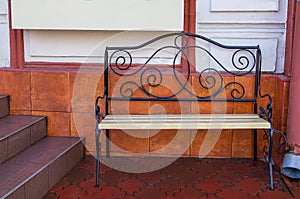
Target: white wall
(236, 22)
(98, 14)
(4, 35)
(247, 22)
(78, 46)
(59, 32)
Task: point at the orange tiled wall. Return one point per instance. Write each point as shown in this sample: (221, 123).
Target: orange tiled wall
(67, 98)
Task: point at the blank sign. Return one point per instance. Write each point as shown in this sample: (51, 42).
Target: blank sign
(165, 15)
(244, 5)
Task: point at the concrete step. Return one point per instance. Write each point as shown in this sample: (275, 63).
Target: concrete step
(34, 171)
(19, 132)
(4, 105)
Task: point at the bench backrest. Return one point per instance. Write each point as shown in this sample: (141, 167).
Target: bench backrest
(162, 69)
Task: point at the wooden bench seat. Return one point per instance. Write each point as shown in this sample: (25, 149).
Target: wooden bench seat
(184, 121)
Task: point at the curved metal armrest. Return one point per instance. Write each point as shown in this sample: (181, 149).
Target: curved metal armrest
(266, 112)
(98, 114)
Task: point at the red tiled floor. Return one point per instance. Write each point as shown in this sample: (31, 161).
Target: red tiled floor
(185, 178)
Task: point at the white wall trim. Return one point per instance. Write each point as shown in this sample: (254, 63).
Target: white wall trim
(4, 35)
(244, 5)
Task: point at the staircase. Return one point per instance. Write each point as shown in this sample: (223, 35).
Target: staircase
(31, 163)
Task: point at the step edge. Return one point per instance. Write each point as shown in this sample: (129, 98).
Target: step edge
(2, 96)
(39, 118)
(42, 168)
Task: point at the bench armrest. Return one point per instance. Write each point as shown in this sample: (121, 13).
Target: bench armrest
(266, 112)
(98, 114)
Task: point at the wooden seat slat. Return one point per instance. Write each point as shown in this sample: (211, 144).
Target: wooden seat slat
(195, 122)
(181, 121)
(183, 116)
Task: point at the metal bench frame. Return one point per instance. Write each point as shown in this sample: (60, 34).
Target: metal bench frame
(244, 59)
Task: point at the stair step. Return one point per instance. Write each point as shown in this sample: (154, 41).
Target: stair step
(19, 132)
(34, 171)
(4, 105)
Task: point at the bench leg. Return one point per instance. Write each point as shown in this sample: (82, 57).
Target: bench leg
(255, 145)
(270, 159)
(107, 143)
(98, 155)
(84, 148)
(268, 153)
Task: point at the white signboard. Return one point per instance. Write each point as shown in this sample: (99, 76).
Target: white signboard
(244, 5)
(167, 15)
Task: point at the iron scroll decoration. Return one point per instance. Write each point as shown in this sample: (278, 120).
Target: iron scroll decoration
(243, 61)
(281, 144)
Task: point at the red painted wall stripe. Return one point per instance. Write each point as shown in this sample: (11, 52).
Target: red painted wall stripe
(293, 131)
(290, 37)
(189, 26)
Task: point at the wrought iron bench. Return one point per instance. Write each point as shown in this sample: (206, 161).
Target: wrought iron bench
(173, 55)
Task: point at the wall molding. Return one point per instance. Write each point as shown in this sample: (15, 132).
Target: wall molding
(3, 19)
(244, 6)
(255, 20)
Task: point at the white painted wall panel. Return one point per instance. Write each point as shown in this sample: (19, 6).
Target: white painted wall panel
(98, 14)
(255, 22)
(84, 46)
(267, 45)
(237, 15)
(4, 35)
(244, 5)
(3, 7)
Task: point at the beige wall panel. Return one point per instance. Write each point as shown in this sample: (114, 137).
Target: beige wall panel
(98, 14)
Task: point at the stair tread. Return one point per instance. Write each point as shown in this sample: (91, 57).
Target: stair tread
(10, 124)
(4, 105)
(19, 169)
